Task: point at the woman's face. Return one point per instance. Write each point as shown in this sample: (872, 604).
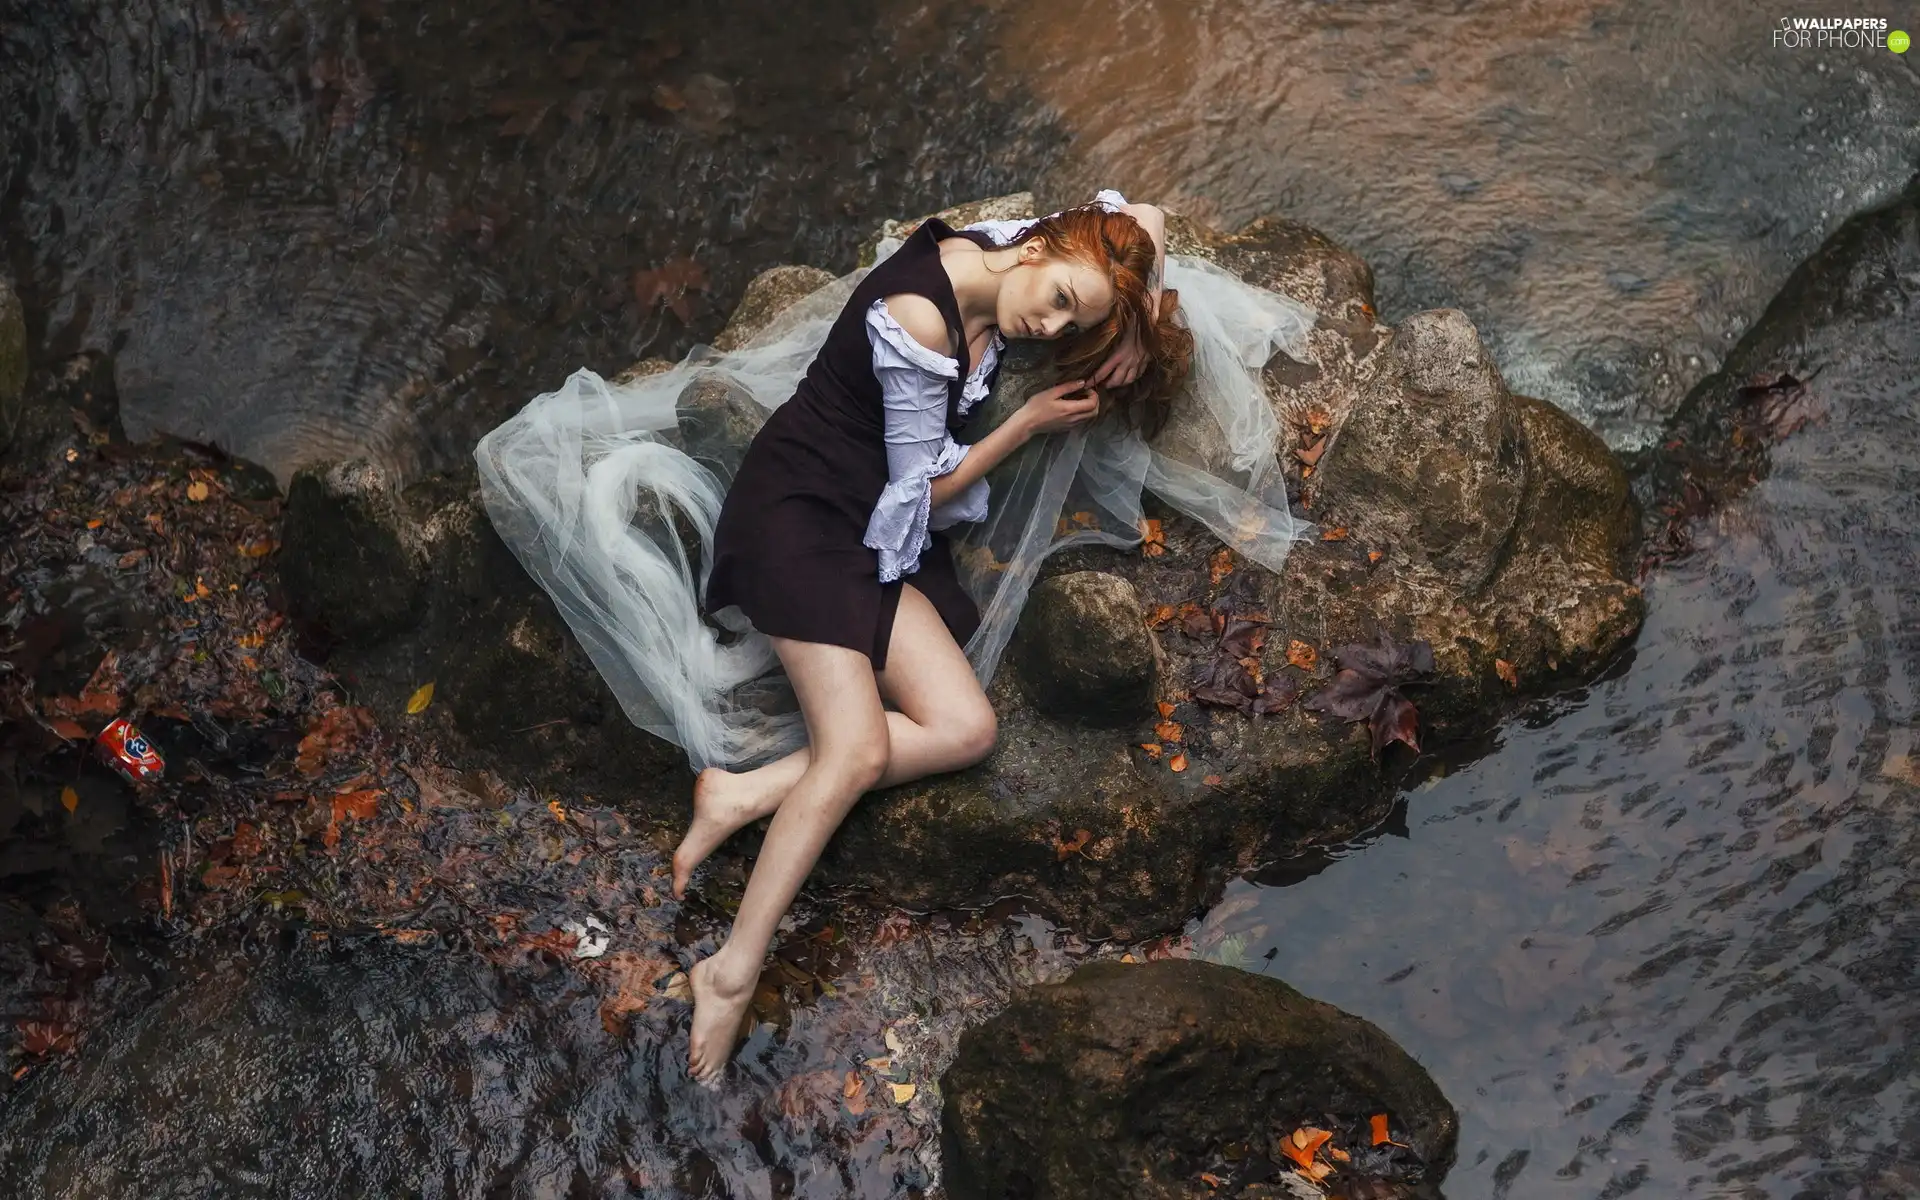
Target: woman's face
(1046, 297)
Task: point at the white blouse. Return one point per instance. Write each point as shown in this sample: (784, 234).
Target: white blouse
(914, 382)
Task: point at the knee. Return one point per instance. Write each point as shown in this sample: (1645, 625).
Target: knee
(976, 733)
(866, 764)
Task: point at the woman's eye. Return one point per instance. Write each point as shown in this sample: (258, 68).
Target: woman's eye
(1059, 299)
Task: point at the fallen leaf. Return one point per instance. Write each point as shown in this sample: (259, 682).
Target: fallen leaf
(892, 1039)
(1212, 781)
(558, 810)
(1303, 1143)
(219, 876)
(1373, 556)
(417, 703)
(1302, 655)
(1505, 671)
(1177, 763)
(1168, 731)
(1073, 845)
(332, 733)
(1220, 565)
(95, 523)
(902, 1092)
(1153, 749)
(1211, 1180)
(882, 1063)
(197, 491)
(41, 1038)
(69, 799)
(356, 806)
(1316, 1171)
(69, 729)
(853, 1086)
(1310, 455)
(1336, 534)
(1243, 637)
(1160, 616)
(1339, 1155)
(1153, 541)
(1195, 621)
(1367, 688)
(1380, 1135)
(668, 285)
(258, 548)
(1166, 710)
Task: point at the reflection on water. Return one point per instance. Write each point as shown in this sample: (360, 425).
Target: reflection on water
(1665, 937)
(314, 229)
(1611, 189)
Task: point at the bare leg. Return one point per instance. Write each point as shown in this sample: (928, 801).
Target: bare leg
(851, 751)
(945, 723)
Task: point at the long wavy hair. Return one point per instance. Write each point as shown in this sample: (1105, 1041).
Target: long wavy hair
(1115, 245)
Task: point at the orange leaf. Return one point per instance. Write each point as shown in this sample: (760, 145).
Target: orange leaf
(1303, 1143)
(1212, 781)
(1160, 616)
(1168, 731)
(1302, 655)
(356, 806)
(1220, 566)
(1073, 845)
(197, 491)
(1380, 1135)
(669, 284)
(1166, 710)
(558, 810)
(1152, 749)
(1211, 1180)
(257, 548)
(1505, 671)
(1373, 556)
(853, 1086)
(1150, 532)
(1177, 763)
(1339, 1155)
(1337, 534)
(73, 731)
(1310, 455)
(69, 799)
(95, 523)
(1085, 520)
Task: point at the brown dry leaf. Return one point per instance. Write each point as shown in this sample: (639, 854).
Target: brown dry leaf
(1160, 616)
(1310, 455)
(356, 806)
(1177, 763)
(1339, 1155)
(1373, 556)
(1317, 419)
(1211, 1180)
(1212, 781)
(69, 729)
(258, 548)
(1220, 566)
(1317, 1171)
(558, 810)
(1153, 540)
(197, 491)
(1072, 846)
(417, 703)
(1505, 671)
(1153, 749)
(333, 733)
(669, 284)
(1303, 1143)
(247, 842)
(1336, 534)
(1166, 710)
(1302, 655)
(853, 1086)
(219, 877)
(1196, 622)
(69, 799)
(1168, 731)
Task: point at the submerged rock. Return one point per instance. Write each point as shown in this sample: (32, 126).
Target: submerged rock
(1449, 510)
(1129, 1080)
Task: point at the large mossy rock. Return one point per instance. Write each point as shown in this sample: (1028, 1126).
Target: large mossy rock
(1128, 1080)
(13, 362)
(1488, 524)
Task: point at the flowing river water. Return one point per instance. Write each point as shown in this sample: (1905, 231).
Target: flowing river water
(1655, 938)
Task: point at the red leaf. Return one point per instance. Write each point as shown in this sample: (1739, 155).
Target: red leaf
(669, 284)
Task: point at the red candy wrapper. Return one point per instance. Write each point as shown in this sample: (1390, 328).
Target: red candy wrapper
(127, 751)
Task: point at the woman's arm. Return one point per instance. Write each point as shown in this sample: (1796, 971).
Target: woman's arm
(1051, 411)
(1124, 365)
(1154, 221)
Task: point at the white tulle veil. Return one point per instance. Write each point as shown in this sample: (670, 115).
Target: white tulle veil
(608, 492)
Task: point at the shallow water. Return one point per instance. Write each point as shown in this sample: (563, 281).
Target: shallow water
(1662, 938)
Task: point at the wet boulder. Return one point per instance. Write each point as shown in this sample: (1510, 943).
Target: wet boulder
(1084, 654)
(1130, 1080)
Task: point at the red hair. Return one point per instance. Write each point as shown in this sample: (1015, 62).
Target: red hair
(1115, 245)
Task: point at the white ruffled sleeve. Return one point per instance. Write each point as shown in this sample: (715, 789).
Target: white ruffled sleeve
(1003, 232)
(914, 383)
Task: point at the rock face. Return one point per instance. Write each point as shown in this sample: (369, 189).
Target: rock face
(1489, 524)
(13, 362)
(1126, 1080)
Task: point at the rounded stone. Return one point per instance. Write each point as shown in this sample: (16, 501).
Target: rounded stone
(1122, 1079)
(1084, 649)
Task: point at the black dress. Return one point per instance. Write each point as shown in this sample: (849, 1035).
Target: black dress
(789, 549)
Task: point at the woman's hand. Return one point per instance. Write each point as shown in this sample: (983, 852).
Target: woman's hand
(1128, 360)
(1123, 366)
(1060, 408)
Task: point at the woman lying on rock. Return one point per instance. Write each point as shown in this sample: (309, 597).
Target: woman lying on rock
(840, 666)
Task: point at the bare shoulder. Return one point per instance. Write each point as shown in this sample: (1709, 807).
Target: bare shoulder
(921, 318)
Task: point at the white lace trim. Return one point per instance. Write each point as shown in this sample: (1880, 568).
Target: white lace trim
(898, 528)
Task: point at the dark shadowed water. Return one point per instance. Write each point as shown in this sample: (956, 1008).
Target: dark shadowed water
(1660, 940)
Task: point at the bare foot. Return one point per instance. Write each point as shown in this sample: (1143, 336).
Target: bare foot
(723, 804)
(719, 1010)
